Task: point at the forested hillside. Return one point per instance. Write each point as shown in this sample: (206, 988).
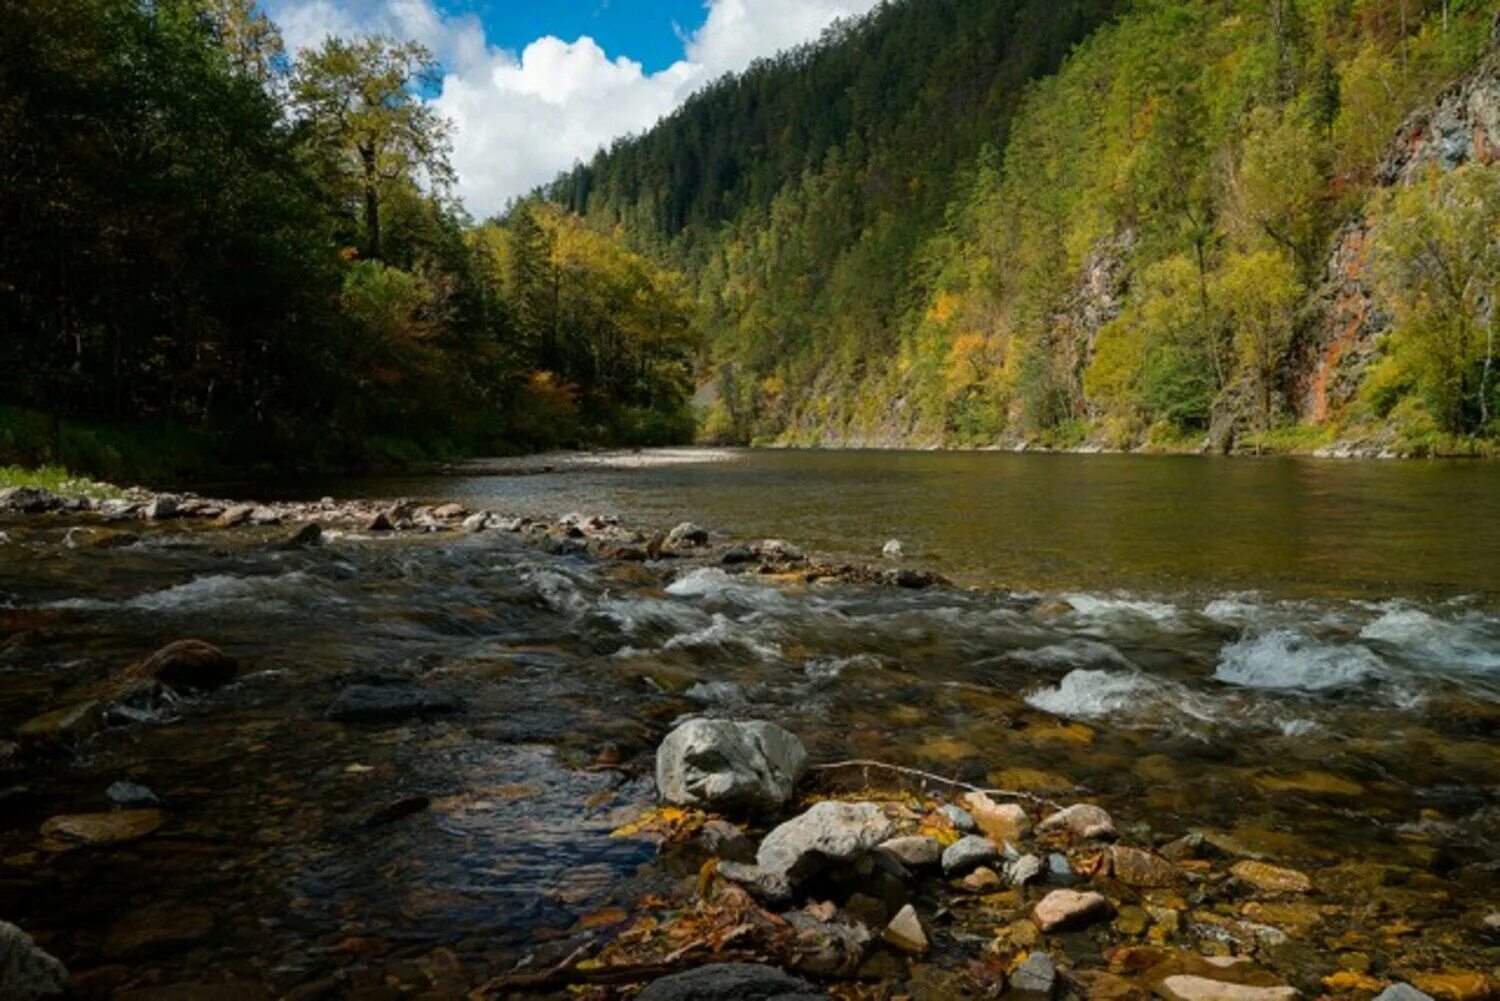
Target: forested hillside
(999, 221)
(212, 251)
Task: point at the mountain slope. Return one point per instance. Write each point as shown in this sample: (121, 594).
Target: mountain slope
(972, 222)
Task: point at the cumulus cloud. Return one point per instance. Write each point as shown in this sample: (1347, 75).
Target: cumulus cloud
(520, 118)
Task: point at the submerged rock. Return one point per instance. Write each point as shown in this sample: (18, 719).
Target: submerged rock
(161, 508)
(365, 703)
(736, 555)
(157, 930)
(1036, 978)
(1271, 878)
(727, 841)
(1082, 820)
(310, 534)
(1063, 909)
(731, 982)
(96, 829)
(826, 948)
(28, 972)
(1139, 868)
(186, 664)
(720, 764)
(827, 832)
(66, 726)
(1189, 988)
(130, 794)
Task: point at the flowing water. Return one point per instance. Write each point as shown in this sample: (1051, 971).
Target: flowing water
(1300, 657)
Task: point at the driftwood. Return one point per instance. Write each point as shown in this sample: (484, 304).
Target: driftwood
(866, 765)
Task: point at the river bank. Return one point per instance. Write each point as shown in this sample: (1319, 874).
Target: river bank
(436, 766)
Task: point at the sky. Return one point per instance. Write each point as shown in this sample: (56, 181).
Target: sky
(533, 86)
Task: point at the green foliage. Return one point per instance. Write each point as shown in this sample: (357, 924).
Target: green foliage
(1438, 265)
(209, 254)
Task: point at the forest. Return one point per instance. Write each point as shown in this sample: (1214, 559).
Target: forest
(969, 222)
(213, 251)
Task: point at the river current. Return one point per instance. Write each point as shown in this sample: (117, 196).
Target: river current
(1301, 659)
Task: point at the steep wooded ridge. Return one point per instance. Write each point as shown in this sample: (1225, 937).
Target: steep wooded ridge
(1144, 223)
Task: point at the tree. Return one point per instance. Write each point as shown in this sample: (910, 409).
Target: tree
(367, 124)
(1259, 293)
(250, 38)
(1438, 266)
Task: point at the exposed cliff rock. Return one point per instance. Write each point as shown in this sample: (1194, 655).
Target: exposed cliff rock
(1344, 322)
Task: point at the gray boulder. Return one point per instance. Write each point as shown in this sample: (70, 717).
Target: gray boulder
(828, 832)
(1035, 979)
(29, 500)
(26, 971)
(720, 764)
(966, 853)
(162, 507)
(731, 982)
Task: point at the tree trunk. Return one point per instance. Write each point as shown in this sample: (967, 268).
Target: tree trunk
(372, 205)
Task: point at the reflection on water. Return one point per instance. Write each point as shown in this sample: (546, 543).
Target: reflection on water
(1101, 522)
(1351, 735)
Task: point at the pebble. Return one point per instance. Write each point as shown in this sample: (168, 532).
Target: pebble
(905, 932)
(1019, 872)
(1063, 909)
(982, 880)
(962, 820)
(968, 852)
(892, 549)
(1082, 820)
(1271, 878)
(1189, 988)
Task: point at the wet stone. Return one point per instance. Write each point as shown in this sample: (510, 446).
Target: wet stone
(828, 832)
(1271, 878)
(962, 820)
(731, 982)
(1026, 869)
(27, 972)
(1060, 870)
(366, 703)
(1003, 822)
(157, 930)
(1139, 868)
(736, 556)
(687, 536)
(983, 880)
(727, 841)
(186, 664)
(1402, 992)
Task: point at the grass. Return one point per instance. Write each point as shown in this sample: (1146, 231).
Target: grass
(56, 479)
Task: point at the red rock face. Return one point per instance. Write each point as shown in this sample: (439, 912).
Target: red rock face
(1459, 127)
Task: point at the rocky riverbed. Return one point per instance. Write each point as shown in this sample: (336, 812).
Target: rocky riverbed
(393, 749)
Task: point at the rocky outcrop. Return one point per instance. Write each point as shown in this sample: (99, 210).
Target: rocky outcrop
(720, 764)
(1343, 321)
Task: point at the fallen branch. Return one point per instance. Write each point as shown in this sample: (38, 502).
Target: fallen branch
(867, 764)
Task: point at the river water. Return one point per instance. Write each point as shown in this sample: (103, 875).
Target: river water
(1301, 658)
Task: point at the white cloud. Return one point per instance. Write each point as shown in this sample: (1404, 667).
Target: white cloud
(521, 118)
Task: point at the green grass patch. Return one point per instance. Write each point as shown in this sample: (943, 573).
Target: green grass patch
(57, 479)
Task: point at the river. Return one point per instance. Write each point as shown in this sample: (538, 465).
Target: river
(1300, 657)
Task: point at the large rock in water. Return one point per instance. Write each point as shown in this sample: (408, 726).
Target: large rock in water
(397, 700)
(186, 664)
(827, 832)
(721, 764)
(26, 971)
(731, 982)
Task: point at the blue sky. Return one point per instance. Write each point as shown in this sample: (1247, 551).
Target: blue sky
(533, 86)
(645, 30)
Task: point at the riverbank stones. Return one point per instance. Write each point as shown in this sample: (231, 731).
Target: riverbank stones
(727, 765)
